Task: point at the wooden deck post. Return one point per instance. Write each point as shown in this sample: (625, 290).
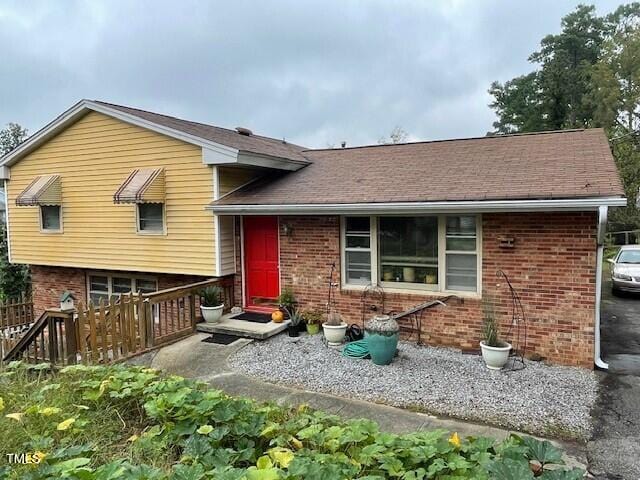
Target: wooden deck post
(70, 332)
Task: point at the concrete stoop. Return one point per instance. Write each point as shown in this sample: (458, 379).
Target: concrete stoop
(243, 328)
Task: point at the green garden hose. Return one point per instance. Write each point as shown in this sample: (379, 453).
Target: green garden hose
(357, 349)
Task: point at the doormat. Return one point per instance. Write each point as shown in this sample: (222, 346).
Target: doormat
(253, 317)
(221, 339)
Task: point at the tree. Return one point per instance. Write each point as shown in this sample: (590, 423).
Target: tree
(10, 137)
(587, 75)
(14, 278)
(397, 135)
(518, 105)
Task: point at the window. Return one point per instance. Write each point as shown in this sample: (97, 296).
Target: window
(105, 287)
(151, 217)
(408, 250)
(461, 258)
(98, 289)
(50, 218)
(437, 253)
(358, 250)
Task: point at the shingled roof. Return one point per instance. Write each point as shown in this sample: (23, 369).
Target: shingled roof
(548, 165)
(231, 138)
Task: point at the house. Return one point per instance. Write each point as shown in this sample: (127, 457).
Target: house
(107, 199)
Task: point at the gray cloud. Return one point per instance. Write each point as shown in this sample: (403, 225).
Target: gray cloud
(315, 72)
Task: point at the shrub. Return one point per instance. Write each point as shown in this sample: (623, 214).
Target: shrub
(101, 423)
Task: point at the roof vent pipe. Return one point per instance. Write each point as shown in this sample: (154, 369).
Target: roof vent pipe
(344, 144)
(244, 131)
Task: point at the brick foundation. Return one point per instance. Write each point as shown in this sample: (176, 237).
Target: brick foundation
(49, 282)
(552, 267)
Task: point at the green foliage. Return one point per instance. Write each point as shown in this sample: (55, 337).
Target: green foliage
(295, 317)
(287, 299)
(134, 423)
(14, 278)
(586, 76)
(211, 296)
(10, 137)
(489, 323)
(312, 317)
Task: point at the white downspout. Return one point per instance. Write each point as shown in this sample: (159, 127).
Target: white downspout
(602, 227)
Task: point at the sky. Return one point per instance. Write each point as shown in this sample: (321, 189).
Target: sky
(314, 72)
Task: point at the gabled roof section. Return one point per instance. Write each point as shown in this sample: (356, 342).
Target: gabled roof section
(220, 146)
(245, 143)
(553, 167)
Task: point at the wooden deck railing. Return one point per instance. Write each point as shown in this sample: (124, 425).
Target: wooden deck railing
(118, 330)
(16, 316)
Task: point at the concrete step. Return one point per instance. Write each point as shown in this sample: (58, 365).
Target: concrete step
(242, 328)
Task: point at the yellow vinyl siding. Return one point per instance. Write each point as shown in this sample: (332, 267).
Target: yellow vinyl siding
(93, 157)
(230, 178)
(234, 177)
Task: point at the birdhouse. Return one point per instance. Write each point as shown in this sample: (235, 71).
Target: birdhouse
(67, 301)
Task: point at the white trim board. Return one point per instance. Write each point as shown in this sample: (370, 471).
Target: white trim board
(475, 206)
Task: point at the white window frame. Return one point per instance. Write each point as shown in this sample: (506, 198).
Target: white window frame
(50, 230)
(416, 289)
(373, 245)
(110, 277)
(151, 232)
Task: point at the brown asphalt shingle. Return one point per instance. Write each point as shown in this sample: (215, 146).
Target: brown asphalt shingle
(564, 164)
(253, 144)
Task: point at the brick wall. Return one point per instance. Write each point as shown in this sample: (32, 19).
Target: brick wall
(50, 282)
(552, 266)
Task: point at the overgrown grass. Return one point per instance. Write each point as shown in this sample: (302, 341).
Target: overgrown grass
(102, 423)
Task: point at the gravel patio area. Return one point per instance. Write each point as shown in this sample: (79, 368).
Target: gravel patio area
(541, 399)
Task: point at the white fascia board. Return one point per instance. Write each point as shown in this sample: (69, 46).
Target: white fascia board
(249, 159)
(268, 161)
(480, 206)
(83, 107)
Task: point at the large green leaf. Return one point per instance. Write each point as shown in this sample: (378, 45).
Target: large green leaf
(509, 469)
(542, 450)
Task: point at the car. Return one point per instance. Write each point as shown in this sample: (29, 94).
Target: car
(625, 270)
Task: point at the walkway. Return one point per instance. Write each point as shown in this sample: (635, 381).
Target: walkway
(208, 362)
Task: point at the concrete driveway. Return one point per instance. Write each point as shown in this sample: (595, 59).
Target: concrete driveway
(614, 452)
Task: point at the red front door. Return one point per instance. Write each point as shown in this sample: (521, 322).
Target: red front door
(261, 269)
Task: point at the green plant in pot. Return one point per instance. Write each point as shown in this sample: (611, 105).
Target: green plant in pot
(313, 319)
(211, 303)
(295, 319)
(286, 300)
(495, 352)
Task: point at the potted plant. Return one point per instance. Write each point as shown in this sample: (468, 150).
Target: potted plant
(312, 318)
(286, 300)
(334, 329)
(495, 352)
(211, 304)
(295, 319)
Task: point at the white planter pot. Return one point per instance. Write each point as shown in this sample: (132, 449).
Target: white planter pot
(334, 333)
(212, 314)
(495, 357)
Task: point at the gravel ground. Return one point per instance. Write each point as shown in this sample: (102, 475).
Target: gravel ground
(541, 399)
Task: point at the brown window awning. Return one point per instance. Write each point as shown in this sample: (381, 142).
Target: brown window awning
(145, 185)
(44, 190)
